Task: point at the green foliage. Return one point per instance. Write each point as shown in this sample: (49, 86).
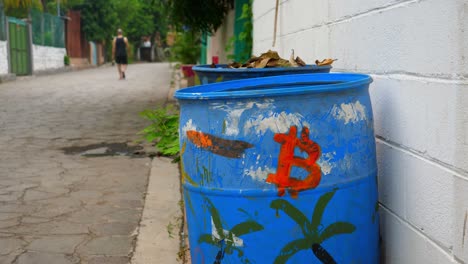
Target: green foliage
(239, 47)
(66, 60)
(136, 18)
(163, 130)
(131, 52)
(47, 29)
(245, 36)
(200, 15)
(99, 19)
(20, 8)
(186, 49)
(229, 48)
(23, 4)
(48, 38)
(140, 18)
(65, 5)
(2, 24)
(160, 10)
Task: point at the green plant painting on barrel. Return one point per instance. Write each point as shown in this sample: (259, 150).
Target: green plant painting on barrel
(227, 241)
(313, 234)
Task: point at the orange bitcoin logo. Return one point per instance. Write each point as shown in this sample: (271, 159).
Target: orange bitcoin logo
(287, 160)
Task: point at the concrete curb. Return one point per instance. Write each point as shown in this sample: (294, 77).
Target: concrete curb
(53, 71)
(158, 238)
(7, 78)
(178, 82)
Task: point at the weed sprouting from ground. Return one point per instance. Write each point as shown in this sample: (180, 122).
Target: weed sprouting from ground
(163, 130)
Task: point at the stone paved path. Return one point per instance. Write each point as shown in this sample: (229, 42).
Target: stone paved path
(68, 208)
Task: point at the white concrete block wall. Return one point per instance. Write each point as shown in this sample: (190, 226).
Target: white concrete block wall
(416, 51)
(47, 58)
(3, 57)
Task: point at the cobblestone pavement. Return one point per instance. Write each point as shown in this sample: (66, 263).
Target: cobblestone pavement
(58, 207)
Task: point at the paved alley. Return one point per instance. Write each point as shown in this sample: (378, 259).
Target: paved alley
(72, 180)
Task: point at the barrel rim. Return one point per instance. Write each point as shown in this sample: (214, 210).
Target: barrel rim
(243, 88)
(273, 192)
(224, 70)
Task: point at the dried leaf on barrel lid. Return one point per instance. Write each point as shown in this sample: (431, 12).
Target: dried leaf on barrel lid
(253, 59)
(291, 59)
(272, 63)
(263, 63)
(300, 62)
(213, 65)
(283, 63)
(248, 65)
(271, 55)
(325, 62)
(251, 62)
(234, 65)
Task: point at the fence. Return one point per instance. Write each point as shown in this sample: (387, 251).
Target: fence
(3, 35)
(48, 30)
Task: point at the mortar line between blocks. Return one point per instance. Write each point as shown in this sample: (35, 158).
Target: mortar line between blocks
(455, 79)
(269, 10)
(348, 18)
(457, 172)
(443, 249)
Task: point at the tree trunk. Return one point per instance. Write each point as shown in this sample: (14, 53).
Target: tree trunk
(44, 5)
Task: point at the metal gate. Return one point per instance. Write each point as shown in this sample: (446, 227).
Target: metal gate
(19, 49)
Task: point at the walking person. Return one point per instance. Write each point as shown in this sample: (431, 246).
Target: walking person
(119, 53)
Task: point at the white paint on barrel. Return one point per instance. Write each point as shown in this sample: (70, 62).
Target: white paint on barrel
(325, 163)
(352, 112)
(274, 122)
(235, 110)
(259, 173)
(187, 127)
(237, 242)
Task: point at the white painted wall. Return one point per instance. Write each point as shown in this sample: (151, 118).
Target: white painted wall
(3, 57)
(217, 42)
(47, 58)
(416, 51)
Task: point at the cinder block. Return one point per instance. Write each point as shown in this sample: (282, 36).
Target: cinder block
(292, 26)
(342, 9)
(429, 202)
(261, 7)
(460, 200)
(402, 244)
(423, 37)
(310, 45)
(263, 28)
(260, 47)
(429, 197)
(427, 117)
(391, 179)
(301, 15)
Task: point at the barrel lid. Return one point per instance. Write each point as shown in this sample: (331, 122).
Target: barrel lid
(296, 84)
(223, 68)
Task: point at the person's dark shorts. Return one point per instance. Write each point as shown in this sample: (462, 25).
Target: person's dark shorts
(121, 60)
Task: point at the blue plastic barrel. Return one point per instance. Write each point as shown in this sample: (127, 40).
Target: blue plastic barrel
(222, 73)
(280, 170)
